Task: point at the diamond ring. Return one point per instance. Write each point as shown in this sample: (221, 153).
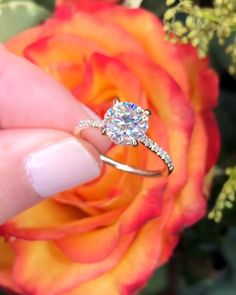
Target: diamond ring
(125, 123)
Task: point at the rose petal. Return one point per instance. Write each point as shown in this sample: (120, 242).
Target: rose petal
(203, 81)
(106, 78)
(83, 248)
(92, 29)
(190, 204)
(161, 51)
(7, 259)
(121, 280)
(18, 43)
(61, 48)
(34, 258)
(59, 220)
(79, 3)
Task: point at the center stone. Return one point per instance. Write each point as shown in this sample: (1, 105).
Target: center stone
(125, 122)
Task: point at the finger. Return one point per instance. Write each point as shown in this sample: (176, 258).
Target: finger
(38, 163)
(31, 98)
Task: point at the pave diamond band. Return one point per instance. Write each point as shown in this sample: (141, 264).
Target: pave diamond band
(126, 124)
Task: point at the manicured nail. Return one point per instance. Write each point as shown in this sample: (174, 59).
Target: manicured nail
(60, 166)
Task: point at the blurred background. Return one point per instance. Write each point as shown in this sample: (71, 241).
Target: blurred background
(204, 263)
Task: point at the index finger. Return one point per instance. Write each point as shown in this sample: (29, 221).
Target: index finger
(31, 98)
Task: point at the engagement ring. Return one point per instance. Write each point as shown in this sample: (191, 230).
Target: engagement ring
(126, 124)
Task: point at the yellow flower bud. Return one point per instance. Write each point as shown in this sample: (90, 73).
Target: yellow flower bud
(179, 29)
(211, 215)
(218, 216)
(167, 37)
(217, 11)
(198, 12)
(231, 196)
(228, 204)
(232, 70)
(166, 27)
(189, 22)
(228, 171)
(195, 42)
(221, 41)
(170, 2)
(187, 4)
(184, 40)
(169, 14)
(221, 205)
(192, 34)
(218, 2)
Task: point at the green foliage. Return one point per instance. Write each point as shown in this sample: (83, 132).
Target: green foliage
(199, 25)
(157, 283)
(157, 7)
(221, 277)
(49, 4)
(204, 263)
(16, 16)
(226, 197)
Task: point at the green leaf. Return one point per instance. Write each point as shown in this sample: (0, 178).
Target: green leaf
(16, 16)
(225, 113)
(157, 283)
(229, 246)
(218, 285)
(49, 4)
(219, 58)
(158, 7)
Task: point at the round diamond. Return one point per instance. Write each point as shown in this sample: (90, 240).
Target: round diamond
(125, 122)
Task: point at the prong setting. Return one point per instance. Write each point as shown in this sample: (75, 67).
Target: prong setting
(103, 131)
(116, 100)
(135, 142)
(147, 112)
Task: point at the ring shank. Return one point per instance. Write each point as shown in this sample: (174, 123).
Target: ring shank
(133, 170)
(145, 140)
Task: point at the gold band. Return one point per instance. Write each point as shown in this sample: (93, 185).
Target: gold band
(146, 141)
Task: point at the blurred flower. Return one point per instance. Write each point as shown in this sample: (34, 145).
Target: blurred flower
(107, 237)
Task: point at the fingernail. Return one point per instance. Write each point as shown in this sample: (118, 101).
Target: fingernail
(60, 166)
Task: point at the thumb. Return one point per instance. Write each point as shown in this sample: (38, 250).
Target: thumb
(38, 163)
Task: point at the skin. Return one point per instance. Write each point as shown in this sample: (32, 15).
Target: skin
(36, 111)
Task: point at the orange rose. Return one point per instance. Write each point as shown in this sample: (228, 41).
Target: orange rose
(107, 237)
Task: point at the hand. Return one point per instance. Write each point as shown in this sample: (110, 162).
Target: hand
(39, 157)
